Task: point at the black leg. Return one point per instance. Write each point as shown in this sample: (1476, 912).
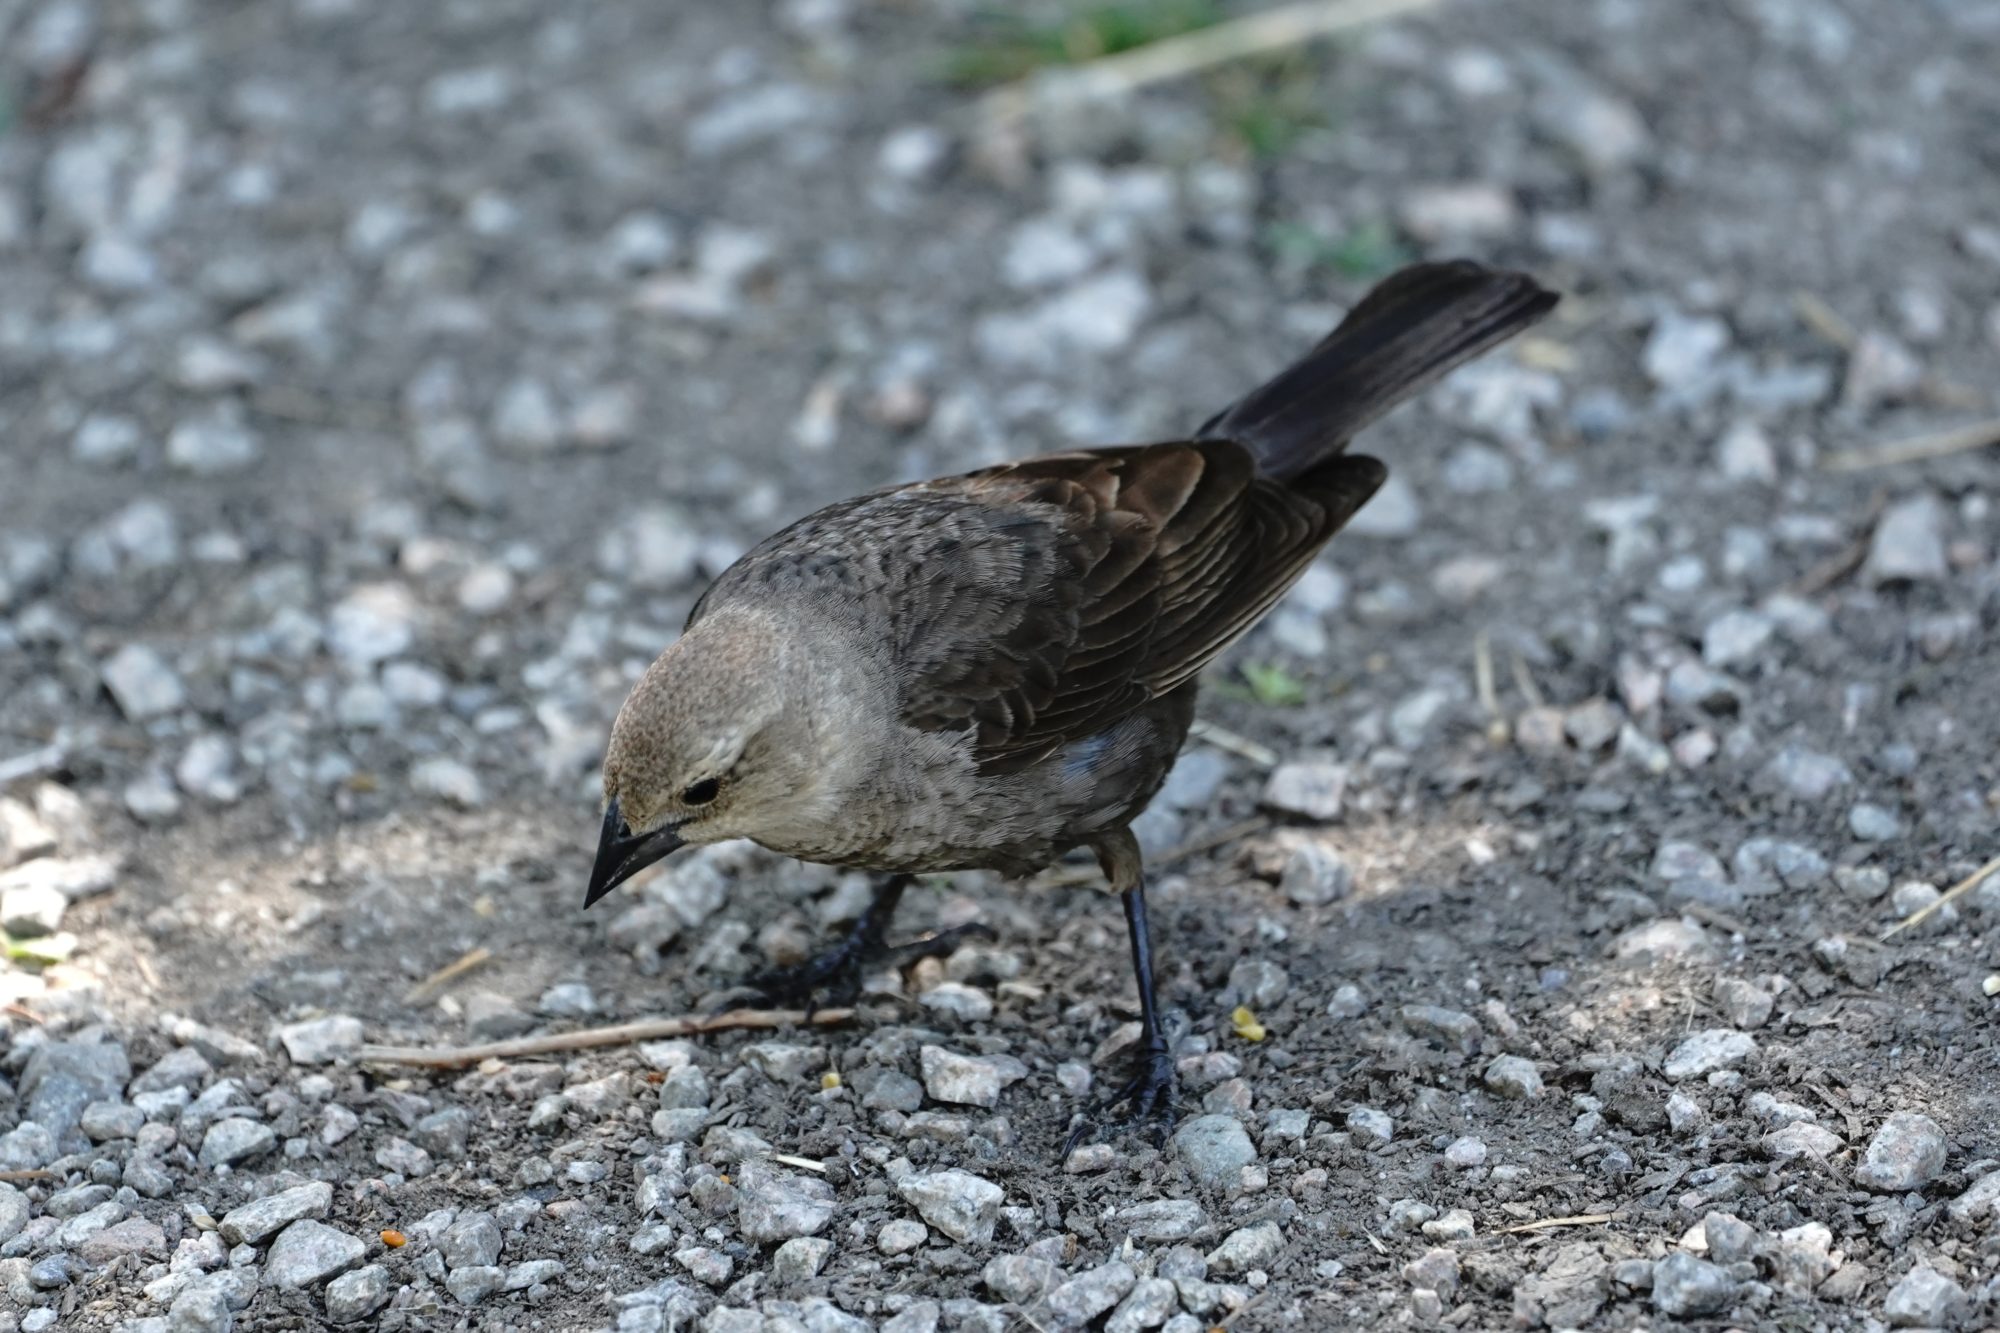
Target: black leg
(834, 977)
(1150, 1090)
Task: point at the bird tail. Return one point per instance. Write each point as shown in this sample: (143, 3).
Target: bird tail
(1404, 335)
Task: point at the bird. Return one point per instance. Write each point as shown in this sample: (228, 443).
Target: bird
(993, 669)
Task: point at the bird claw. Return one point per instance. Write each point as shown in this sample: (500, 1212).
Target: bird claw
(1150, 1091)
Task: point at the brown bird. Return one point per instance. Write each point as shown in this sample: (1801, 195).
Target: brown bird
(989, 670)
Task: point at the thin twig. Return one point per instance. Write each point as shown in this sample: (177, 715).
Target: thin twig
(1823, 320)
(1703, 912)
(1958, 890)
(19, 1012)
(619, 1034)
(1843, 562)
(1525, 683)
(802, 1163)
(1917, 448)
(1207, 842)
(13, 1177)
(451, 971)
(1241, 746)
(1550, 1223)
(1189, 53)
(1497, 729)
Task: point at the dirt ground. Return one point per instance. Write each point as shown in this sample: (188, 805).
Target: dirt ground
(379, 385)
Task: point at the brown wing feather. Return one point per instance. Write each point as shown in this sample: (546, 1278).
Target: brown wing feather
(1160, 556)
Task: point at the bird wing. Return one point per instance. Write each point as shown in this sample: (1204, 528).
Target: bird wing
(1054, 596)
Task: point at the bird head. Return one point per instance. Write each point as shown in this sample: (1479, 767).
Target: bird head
(719, 739)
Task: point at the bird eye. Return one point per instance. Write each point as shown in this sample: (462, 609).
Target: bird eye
(702, 792)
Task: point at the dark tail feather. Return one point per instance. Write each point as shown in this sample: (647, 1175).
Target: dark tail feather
(1405, 334)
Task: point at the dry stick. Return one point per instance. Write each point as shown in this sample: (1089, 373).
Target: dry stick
(1206, 842)
(11, 1177)
(1550, 1223)
(1190, 53)
(1823, 320)
(1525, 683)
(619, 1034)
(1916, 448)
(1241, 746)
(1842, 563)
(1958, 890)
(1497, 729)
(465, 962)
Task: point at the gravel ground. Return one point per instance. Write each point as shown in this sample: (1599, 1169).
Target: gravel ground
(381, 383)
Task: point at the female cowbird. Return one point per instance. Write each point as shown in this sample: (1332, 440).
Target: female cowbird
(988, 670)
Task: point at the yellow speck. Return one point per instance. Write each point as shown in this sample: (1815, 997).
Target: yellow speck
(727, 1181)
(395, 1240)
(1246, 1024)
(829, 1080)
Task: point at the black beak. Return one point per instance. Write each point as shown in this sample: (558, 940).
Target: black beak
(620, 855)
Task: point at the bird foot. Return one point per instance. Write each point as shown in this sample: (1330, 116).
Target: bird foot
(1150, 1093)
(833, 978)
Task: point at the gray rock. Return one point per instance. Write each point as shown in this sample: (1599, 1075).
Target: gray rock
(1806, 773)
(1746, 1006)
(775, 1205)
(133, 1236)
(471, 1285)
(212, 444)
(373, 623)
(685, 1087)
(1873, 823)
(141, 683)
(490, 1017)
(1394, 512)
(1735, 637)
(27, 1147)
(104, 440)
(320, 1041)
(472, 1241)
(1514, 1077)
(1745, 453)
(1682, 349)
(182, 1067)
(13, 1211)
(253, 1223)
(1259, 982)
(1315, 875)
(568, 999)
(961, 1205)
(1465, 1152)
(1311, 790)
(1801, 1140)
(1909, 543)
(968, 1080)
(1215, 1148)
(1089, 1294)
(356, 1295)
(1707, 1051)
(1021, 1279)
(534, 1272)
(1147, 1305)
(1448, 1027)
(1685, 1286)
(1606, 132)
(234, 1140)
(800, 1258)
(201, 1307)
(1907, 1153)
(448, 779)
(30, 911)
(1730, 1239)
(1368, 1126)
(308, 1252)
(1248, 1248)
(1980, 1202)
(1925, 1298)
(443, 1133)
(901, 1236)
(404, 1158)
(1159, 1219)
(526, 420)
